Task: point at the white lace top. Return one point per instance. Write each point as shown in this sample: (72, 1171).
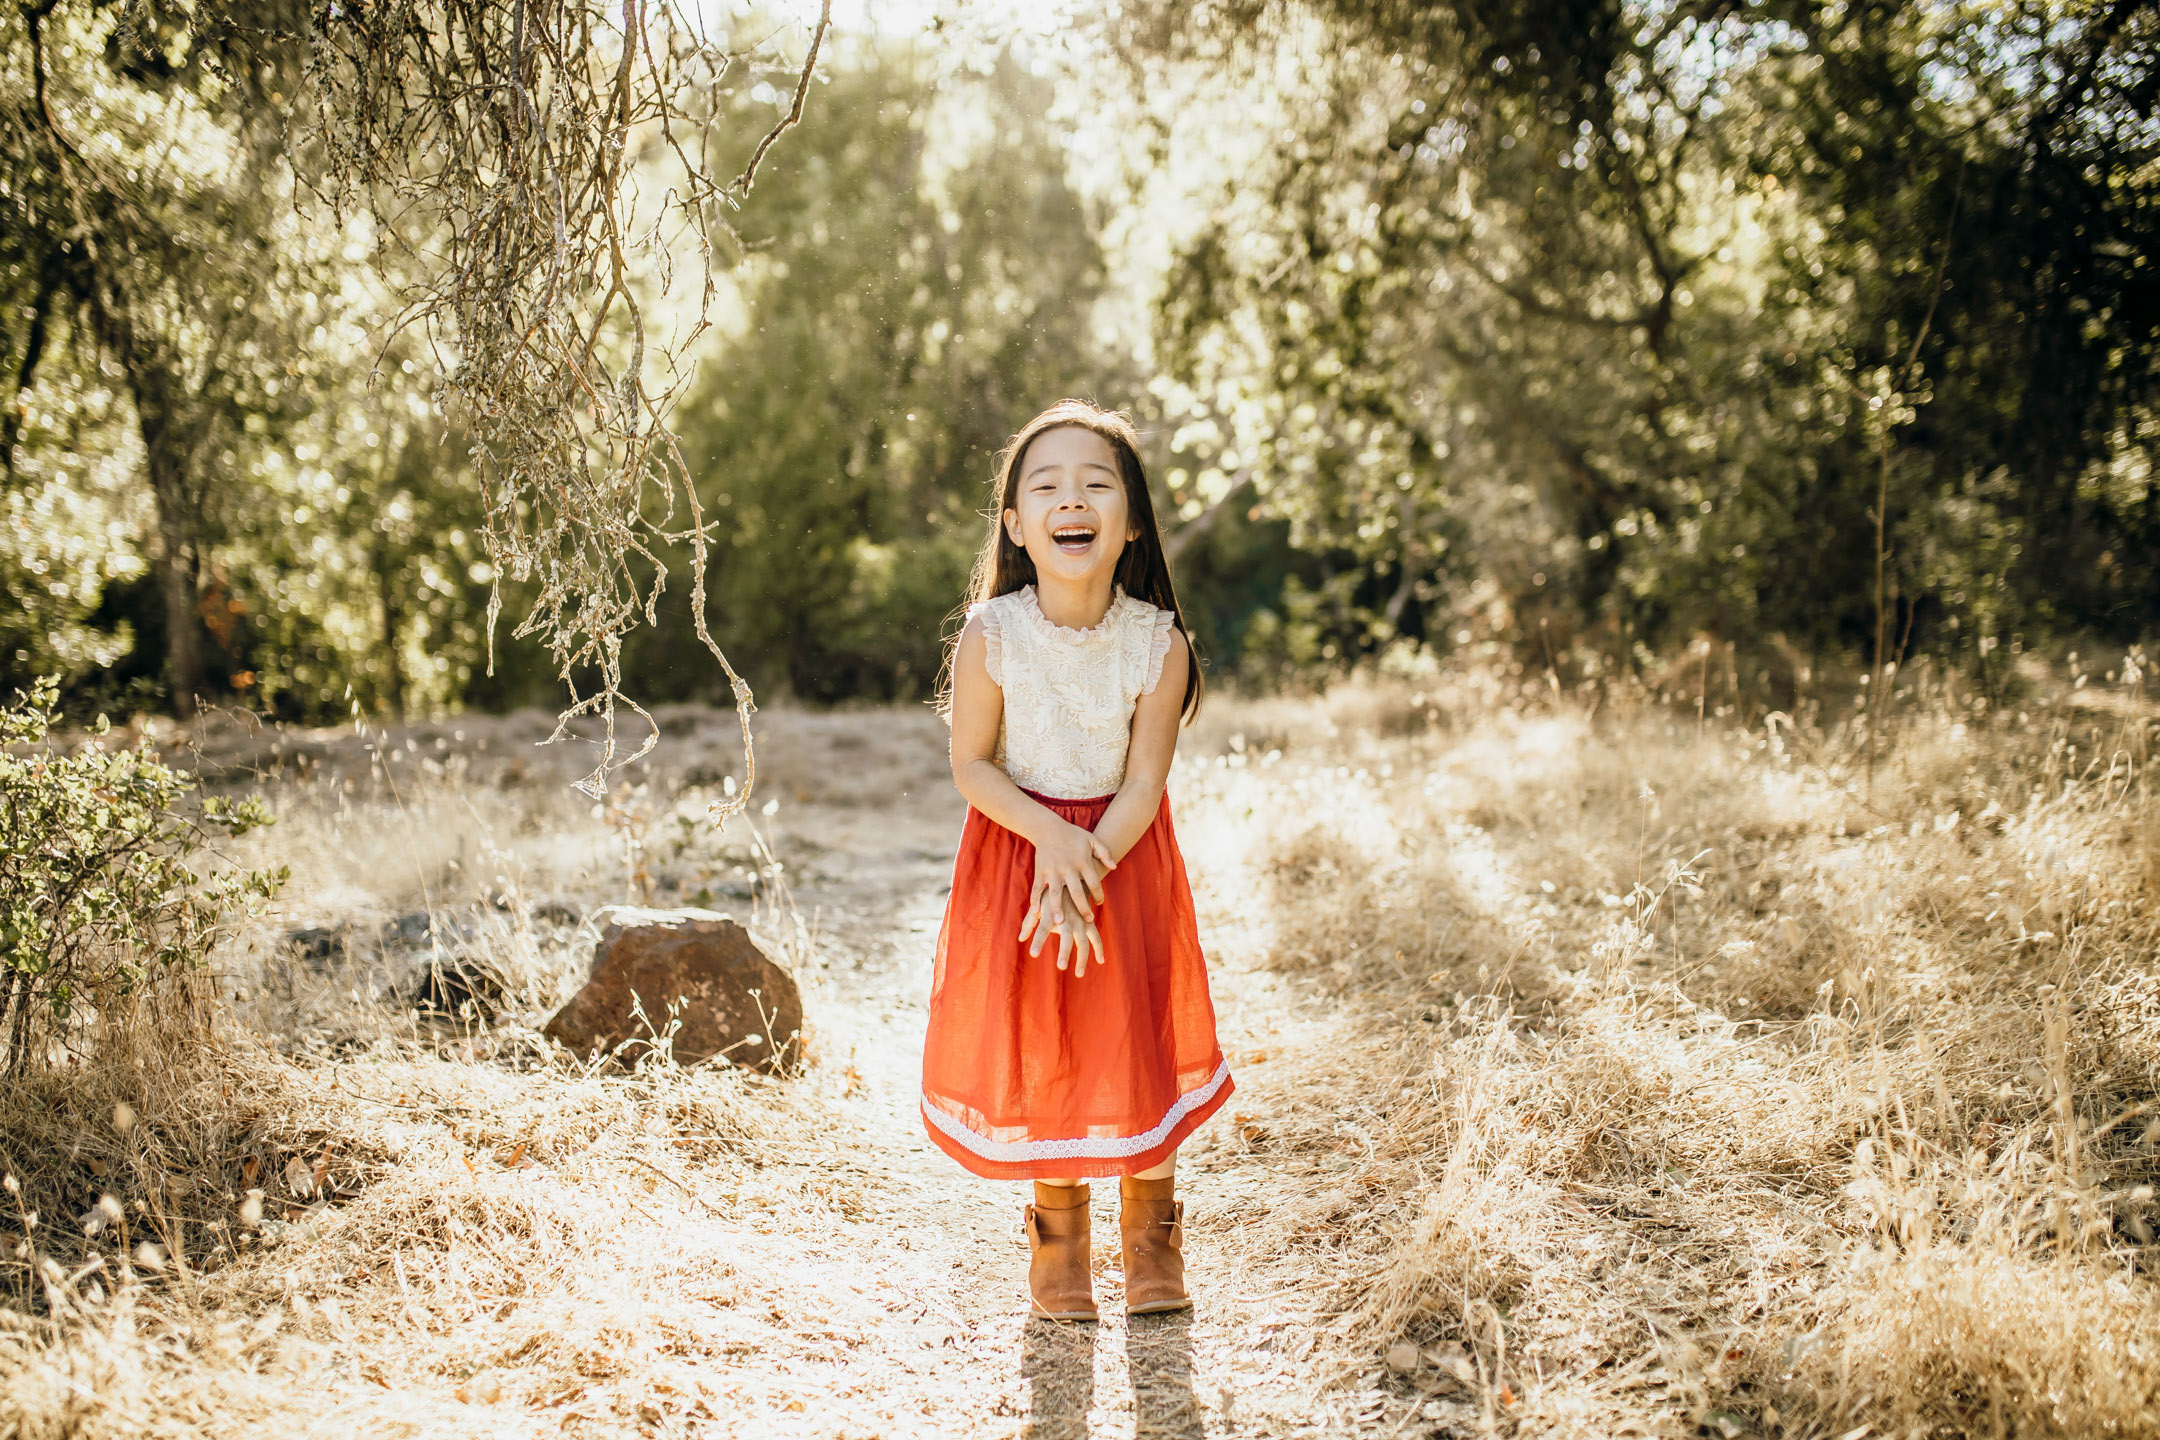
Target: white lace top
(1070, 694)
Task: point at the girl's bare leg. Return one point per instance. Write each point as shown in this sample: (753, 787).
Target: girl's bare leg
(1163, 1171)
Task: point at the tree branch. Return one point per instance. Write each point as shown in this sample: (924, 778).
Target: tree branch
(802, 89)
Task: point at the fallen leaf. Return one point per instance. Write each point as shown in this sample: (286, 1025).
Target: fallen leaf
(1507, 1396)
(299, 1179)
(248, 1170)
(1402, 1357)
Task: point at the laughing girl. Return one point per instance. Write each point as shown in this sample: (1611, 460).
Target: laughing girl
(1071, 1034)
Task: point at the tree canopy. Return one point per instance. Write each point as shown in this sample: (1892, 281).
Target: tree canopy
(1825, 329)
(1660, 305)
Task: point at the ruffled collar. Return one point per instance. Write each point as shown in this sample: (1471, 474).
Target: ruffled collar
(1032, 604)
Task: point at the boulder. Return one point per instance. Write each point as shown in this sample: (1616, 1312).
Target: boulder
(731, 999)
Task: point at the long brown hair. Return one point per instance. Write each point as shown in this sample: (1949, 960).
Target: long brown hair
(1143, 568)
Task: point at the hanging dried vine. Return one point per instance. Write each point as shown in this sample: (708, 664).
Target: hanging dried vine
(547, 163)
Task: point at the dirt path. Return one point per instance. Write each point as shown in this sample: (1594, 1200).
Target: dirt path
(958, 1355)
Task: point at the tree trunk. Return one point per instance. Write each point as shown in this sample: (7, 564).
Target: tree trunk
(160, 405)
(18, 400)
(1405, 563)
(393, 678)
(167, 459)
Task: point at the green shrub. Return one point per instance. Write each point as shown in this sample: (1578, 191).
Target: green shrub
(102, 887)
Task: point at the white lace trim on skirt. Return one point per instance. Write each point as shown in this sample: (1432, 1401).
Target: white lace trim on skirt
(1108, 1147)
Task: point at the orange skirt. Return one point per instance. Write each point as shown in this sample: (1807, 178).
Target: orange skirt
(1032, 1073)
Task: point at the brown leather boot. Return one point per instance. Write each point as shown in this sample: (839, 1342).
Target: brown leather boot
(1152, 1223)
(1057, 1231)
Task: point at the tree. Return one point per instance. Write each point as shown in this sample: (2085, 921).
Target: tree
(142, 212)
(503, 154)
(1669, 302)
(561, 156)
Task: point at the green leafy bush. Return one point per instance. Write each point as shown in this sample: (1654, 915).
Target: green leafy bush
(102, 889)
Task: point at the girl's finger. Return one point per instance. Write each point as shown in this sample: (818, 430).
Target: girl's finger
(1076, 886)
(1102, 853)
(1027, 922)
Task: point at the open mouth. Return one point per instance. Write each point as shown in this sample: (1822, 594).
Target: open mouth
(1072, 539)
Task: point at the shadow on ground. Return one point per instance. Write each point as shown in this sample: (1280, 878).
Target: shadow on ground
(1058, 1363)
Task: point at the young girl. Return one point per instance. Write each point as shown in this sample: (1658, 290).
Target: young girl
(1071, 1034)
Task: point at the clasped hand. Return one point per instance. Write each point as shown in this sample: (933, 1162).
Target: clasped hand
(1069, 867)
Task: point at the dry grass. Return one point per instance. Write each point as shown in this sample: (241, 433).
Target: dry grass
(364, 1213)
(1756, 1099)
(1604, 1071)
(454, 1220)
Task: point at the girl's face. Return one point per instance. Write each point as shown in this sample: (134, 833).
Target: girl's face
(1069, 509)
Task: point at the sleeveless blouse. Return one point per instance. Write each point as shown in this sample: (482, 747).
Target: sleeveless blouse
(1070, 694)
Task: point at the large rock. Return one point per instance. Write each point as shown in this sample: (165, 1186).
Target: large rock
(734, 1001)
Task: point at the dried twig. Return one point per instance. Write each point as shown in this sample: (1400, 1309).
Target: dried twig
(748, 177)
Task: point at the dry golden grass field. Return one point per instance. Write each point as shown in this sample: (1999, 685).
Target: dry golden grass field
(1605, 1069)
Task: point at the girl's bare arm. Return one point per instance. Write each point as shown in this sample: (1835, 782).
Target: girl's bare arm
(1147, 762)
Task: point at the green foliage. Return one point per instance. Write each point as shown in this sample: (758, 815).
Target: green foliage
(920, 281)
(1595, 326)
(68, 522)
(223, 479)
(1659, 305)
(101, 887)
